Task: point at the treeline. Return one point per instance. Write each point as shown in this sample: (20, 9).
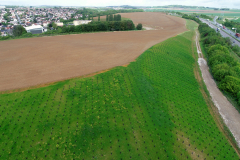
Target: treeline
(97, 26)
(67, 21)
(224, 67)
(91, 27)
(205, 16)
(108, 12)
(113, 17)
(95, 13)
(192, 17)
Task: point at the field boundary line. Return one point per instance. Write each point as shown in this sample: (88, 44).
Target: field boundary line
(54, 82)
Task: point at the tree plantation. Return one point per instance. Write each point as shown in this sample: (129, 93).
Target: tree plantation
(150, 109)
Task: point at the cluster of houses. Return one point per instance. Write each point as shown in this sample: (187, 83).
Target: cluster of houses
(36, 20)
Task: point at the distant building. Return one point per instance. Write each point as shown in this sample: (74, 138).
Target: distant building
(45, 24)
(1, 7)
(35, 29)
(80, 22)
(59, 24)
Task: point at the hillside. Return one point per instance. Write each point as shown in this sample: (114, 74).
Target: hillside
(150, 109)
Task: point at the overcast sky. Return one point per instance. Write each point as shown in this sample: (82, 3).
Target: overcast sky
(206, 3)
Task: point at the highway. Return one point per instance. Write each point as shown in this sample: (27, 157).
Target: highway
(235, 42)
(226, 30)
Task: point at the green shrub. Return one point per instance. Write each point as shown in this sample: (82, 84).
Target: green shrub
(19, 30)
(230, 84)
(27, 35)
(235, 71)
(222, 58)
(139, 26)
(220, 71)
(236, 49)
(217, 47)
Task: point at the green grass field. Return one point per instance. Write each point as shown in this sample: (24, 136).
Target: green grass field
(236, 20)
(220, 21)
(226, 15)
(151, 109)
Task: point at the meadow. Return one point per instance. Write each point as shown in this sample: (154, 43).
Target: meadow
(226, 15)
(150, 109)
(236, 20)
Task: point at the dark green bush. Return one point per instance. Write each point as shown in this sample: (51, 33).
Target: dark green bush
(230, 84)
(139, 26)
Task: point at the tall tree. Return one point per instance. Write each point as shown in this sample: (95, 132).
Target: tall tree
(34, 20)
(110, 17)
(139, 26)
(89, 17)
(83, 16)
(119, 18)
(115, 17)
(106, 17)
(19, 30)
(54, 25)
(99, 18)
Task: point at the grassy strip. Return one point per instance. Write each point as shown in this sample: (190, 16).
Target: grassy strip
(151, 109)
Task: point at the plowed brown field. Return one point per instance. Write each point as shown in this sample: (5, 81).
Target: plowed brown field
(34, 61)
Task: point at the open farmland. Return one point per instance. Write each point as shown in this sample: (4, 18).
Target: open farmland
(151, 109)
(33, 61)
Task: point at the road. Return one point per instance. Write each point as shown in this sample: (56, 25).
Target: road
(226, 30)
(19, 21)
(211, 24)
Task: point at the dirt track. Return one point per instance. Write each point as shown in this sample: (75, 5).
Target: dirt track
(229, 114)
(34, 61)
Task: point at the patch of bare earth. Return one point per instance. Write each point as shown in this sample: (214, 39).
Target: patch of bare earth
(34, 61)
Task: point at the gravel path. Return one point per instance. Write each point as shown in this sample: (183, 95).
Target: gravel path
(229, 114)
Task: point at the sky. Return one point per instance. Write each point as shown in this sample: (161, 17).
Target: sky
(206, 3)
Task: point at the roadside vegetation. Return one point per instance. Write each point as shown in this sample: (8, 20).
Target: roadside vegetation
(236, 20)
(205, 17)
(232, 24)
(224, 65)
(150, 109)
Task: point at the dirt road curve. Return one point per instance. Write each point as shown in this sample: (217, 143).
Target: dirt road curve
(229, 114)
(33, 61)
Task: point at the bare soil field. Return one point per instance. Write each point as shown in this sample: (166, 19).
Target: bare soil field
(35, 61)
